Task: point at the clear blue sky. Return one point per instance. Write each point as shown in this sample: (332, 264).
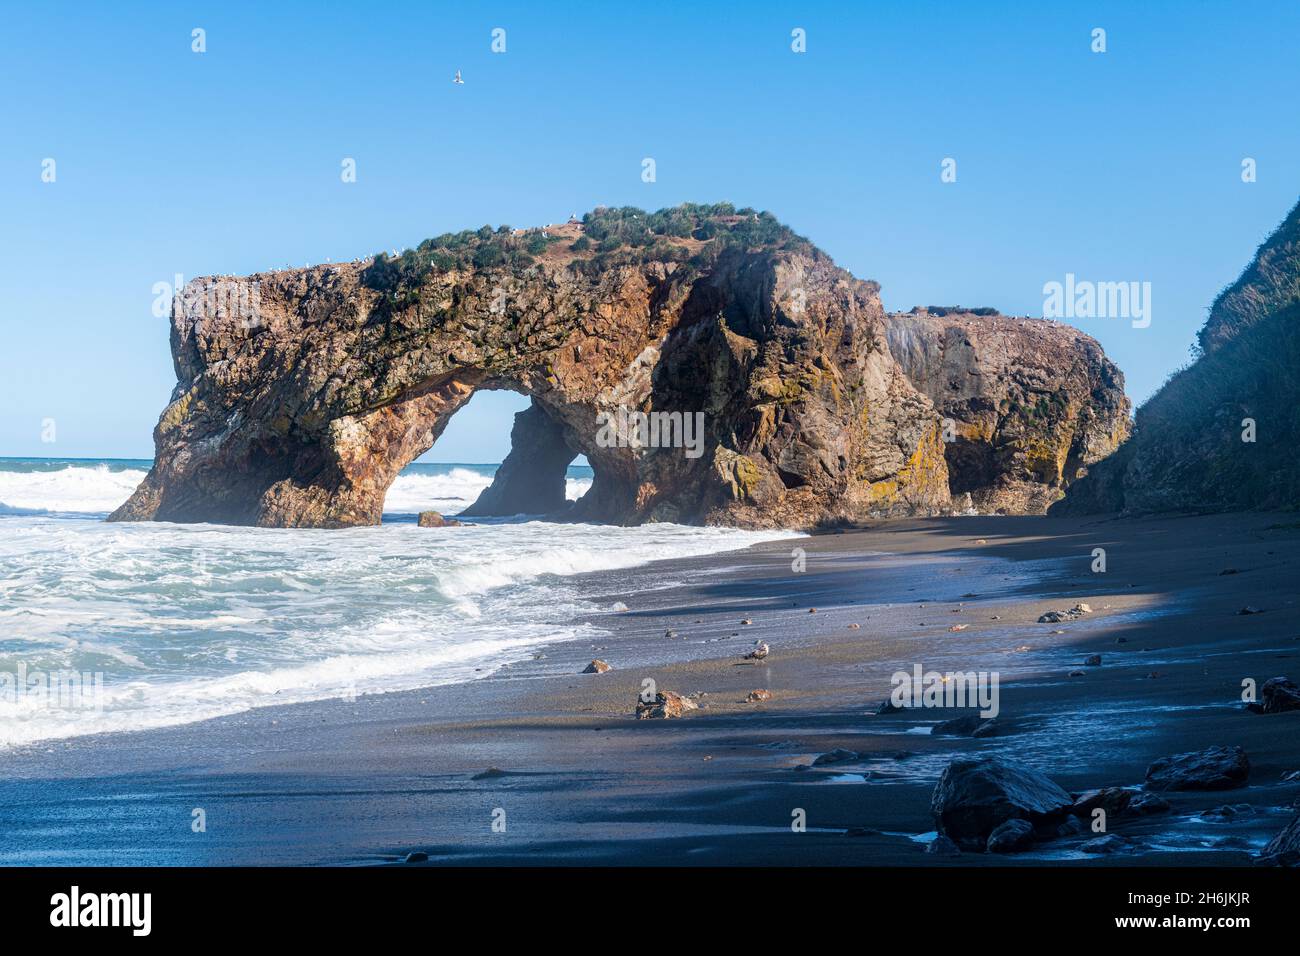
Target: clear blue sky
(1116, 166)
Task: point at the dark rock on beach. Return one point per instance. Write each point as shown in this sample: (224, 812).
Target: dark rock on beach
(1227, 813)
(1072, 826)
(1110, 843)
(1119, 801)
(838, 755)
(942, 846)
(1284, 849)
(964, 726)
(1278, 695)
(1010, 836)
(1217, 768)
(1114, 800)
(596, 667)
(977, 794)
(1145, 804)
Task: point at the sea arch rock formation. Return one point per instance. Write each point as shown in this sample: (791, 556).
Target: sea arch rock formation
(302, 394)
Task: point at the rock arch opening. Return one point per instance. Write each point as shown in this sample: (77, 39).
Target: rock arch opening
(533, 475)
(532, 478)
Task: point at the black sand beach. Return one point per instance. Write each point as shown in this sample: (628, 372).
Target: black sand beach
(560, 759)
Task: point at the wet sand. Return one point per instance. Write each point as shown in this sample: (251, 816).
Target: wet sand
(559, 759)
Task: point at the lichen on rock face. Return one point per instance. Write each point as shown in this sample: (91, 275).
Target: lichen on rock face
(759, 370)
(1028, 404)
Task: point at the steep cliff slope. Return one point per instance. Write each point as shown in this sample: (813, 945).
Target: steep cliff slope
(1270, 283)
(1221, 434)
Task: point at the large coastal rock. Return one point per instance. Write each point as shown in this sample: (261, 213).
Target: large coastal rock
(976, 795)
(1221, 434)
(712, 366)
(1215, 768)
(1029, 404)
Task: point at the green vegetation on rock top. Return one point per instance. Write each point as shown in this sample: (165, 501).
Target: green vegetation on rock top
(623, 235)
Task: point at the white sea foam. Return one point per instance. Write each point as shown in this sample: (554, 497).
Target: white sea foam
(452, 492)
(96, 489)
(187, 622)
(76, 489)
(449, 493)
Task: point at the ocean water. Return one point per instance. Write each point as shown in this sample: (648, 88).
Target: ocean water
(119, 627)
(96, 487)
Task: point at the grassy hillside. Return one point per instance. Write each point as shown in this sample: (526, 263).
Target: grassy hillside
(1271, 282)
(1189, 450)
